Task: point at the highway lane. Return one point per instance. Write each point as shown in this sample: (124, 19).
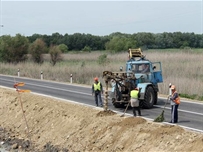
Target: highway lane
(190, 113)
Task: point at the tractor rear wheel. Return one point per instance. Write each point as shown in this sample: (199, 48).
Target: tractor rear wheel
(149, 98)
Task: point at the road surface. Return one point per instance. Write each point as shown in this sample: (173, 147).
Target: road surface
(190, 113)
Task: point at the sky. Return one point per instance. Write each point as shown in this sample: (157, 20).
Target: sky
(99, 17)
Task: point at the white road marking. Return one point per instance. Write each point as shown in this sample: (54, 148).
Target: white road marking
(49, 87)
(66, 90)
(196, 113)
(91, 94)
(185, 101)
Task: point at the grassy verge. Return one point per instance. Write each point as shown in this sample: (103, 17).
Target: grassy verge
(180, 67)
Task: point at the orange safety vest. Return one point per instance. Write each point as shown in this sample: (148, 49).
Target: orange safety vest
(176, 100)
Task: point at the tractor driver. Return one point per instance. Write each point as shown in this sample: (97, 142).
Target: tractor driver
(145, 68)
(135, 68)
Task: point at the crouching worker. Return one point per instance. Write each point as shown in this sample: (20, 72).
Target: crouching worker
(135, 95)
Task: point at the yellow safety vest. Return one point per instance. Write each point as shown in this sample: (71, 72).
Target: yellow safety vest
(134, 94)
(97, 86)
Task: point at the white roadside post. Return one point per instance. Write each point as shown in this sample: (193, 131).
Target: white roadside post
(18, 72)
(170, 93)
(71, 78)
(41, 75)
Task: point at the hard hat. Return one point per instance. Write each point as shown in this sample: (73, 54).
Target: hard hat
(95, 79)
(173, 87)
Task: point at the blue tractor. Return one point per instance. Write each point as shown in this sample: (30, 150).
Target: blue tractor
(140, 73)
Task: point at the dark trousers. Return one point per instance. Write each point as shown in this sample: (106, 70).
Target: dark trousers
(174, 113)
(98, 97)
(136, 109)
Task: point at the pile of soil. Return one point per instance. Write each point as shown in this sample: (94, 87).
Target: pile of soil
(56, 125)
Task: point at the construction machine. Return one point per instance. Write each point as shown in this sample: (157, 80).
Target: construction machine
(139, 73)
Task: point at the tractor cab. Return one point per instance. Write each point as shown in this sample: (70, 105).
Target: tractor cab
(143, 69)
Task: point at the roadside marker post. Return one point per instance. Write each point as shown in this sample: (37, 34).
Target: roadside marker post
(170, 93)
(18, 72)
(41, 75)
(71, 78)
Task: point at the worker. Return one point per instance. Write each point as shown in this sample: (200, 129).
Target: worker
(145, 68)
(97, 90)
(175, 101)
(135, 95)
(134, 68)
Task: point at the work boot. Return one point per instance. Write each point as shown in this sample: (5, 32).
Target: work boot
(139, 112)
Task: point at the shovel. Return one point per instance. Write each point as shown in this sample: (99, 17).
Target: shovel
(161, 118)
(125, 110)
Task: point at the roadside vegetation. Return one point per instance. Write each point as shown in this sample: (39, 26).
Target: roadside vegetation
(58, 56)
(180, 67)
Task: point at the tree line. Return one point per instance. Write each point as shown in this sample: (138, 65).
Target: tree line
(15, 49)
(120, 41)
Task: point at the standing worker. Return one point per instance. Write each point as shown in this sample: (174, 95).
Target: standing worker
(135, 95)
(175, 101)
(97, 90)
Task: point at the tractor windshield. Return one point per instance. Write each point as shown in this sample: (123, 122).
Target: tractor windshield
(140, 68)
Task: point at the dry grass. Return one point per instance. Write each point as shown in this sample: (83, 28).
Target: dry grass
(182, 68)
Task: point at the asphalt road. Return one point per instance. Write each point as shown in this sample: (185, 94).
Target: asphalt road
(190, 113)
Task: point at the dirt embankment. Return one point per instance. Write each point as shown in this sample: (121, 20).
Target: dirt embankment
(61, 126)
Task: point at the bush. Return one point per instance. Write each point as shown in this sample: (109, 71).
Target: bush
(55, 54)
(103, 60)
(87, 49)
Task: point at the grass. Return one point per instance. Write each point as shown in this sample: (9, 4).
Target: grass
(180, 67)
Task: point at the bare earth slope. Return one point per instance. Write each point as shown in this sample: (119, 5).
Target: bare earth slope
(63, 126)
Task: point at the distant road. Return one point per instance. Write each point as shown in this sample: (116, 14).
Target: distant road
(190, 113)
